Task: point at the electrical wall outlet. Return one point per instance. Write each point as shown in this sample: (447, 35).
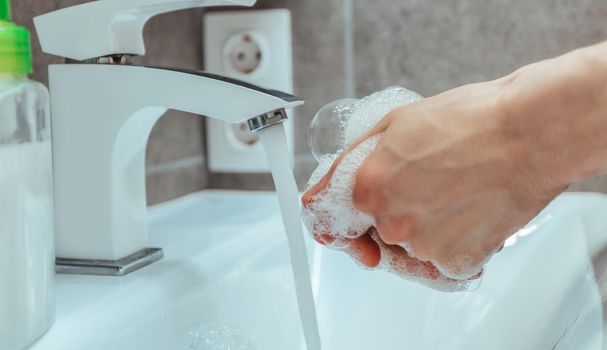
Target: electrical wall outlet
(253, 46)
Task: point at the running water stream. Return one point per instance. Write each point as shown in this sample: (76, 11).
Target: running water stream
(275, 144)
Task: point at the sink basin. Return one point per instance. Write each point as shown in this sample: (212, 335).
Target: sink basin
(226, 278)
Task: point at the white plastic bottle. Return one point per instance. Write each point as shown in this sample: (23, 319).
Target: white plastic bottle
(26, 212)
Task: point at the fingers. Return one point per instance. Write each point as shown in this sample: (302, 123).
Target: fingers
(308, 196)
(324, 238)
(404, 263)
(397, 230)
(365, 250)
(460, 242)
(370, 251)
(401, 261)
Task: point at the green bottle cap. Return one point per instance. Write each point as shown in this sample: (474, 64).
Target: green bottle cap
(15, 50)
(5, 10)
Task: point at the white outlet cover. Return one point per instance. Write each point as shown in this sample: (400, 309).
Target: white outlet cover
(266, 31)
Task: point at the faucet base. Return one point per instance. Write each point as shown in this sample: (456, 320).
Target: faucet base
(119, 267)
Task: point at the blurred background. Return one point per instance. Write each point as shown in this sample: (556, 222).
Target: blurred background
(350, 48)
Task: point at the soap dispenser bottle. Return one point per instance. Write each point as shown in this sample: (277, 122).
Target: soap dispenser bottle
(26, 212)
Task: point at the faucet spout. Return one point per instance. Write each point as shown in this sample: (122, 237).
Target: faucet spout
(223, 98)
(102, 116)
(266, 120)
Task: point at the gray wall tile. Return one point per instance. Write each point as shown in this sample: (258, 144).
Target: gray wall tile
(426, 46)
(432, 46)
(175, 136)
(304, 165)
(254, 182)
(166, 185)
(320, 75)
(318, 50)
(174, 40)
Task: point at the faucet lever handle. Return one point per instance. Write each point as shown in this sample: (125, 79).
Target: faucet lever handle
(108, 27)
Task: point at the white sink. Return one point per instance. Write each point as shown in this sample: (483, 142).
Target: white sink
(226, 271)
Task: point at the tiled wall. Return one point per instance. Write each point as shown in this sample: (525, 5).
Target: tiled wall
(175, 154)
(432, 46)
(428, 46)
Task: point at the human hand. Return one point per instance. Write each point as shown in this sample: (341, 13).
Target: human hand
(446, 181)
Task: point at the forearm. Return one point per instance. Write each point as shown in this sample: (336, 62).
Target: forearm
(557, 111)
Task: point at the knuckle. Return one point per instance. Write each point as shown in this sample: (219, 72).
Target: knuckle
(401, 230)
(387, 234)
(423, 251)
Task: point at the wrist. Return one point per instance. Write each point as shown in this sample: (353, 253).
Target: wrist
(537, 107)
(555, 112)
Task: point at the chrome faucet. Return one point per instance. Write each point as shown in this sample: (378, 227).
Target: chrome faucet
(103, 109)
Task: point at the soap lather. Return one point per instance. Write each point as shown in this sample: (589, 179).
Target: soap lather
(335, 129)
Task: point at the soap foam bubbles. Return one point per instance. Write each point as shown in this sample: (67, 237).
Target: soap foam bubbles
(332, 210)
(326, 134)
(340, 123)
(368, 111)
(219, 337)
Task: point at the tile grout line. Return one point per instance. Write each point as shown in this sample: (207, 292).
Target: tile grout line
(175, 164)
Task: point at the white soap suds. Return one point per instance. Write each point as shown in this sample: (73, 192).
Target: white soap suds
(368, 111)
(332, 210)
